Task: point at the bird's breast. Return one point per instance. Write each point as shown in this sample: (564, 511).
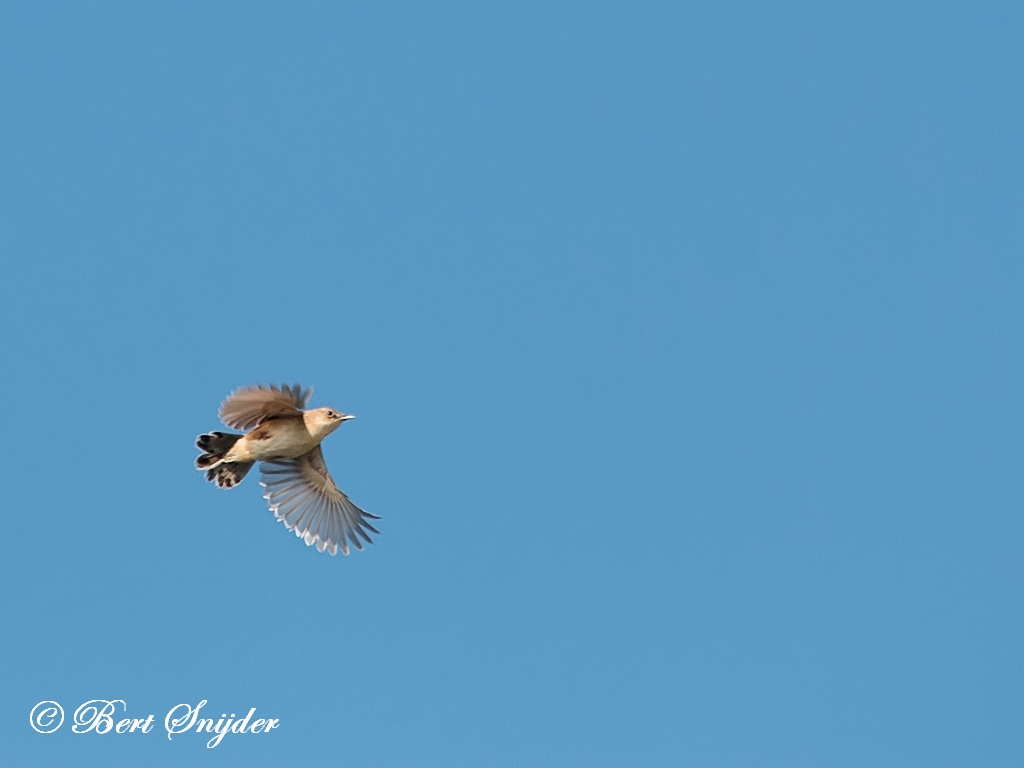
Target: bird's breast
(277, 439)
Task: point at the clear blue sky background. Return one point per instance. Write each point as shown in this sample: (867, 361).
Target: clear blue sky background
(684, 339)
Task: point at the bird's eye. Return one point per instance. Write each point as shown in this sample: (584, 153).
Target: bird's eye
(331, 414)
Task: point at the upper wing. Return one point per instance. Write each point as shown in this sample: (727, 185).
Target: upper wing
(303, 496)
(247, 407)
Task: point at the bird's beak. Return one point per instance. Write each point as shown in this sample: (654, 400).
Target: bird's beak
(347, 416)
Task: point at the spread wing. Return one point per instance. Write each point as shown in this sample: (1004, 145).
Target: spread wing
(302, 495)
(247, 407)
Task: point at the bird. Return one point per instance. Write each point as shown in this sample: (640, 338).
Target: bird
(285, 438)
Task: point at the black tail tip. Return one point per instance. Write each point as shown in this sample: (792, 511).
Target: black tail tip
(216, 442)
(221, 478)
(203, 442)
(230, 474)
(202, 462)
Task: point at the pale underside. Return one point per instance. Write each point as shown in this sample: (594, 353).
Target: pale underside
(283, 437)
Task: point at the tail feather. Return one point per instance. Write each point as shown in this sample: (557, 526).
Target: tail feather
(229, 474)
(217, 442)
(208, 460)
(215, 447)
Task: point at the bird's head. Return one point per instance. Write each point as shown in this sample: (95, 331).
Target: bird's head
(322, 421)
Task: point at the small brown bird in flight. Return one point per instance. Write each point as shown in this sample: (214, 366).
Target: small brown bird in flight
(286, 439)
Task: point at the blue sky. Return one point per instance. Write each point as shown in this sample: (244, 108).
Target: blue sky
(685, 345)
